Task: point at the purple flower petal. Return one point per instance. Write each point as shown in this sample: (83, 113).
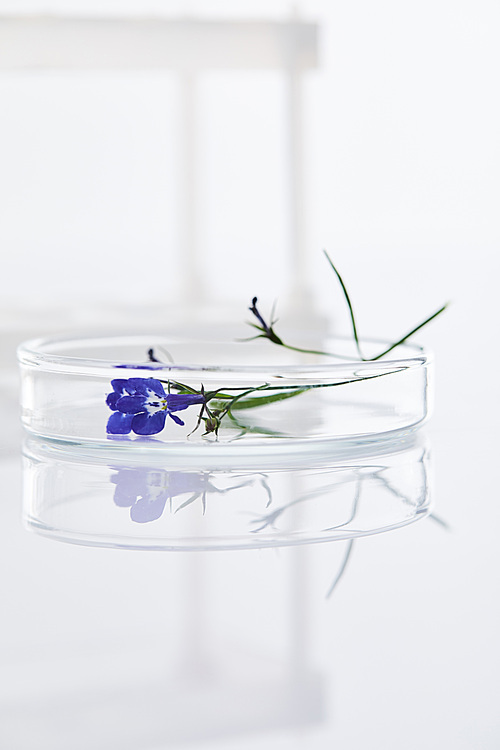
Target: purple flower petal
(119, 424)
(149, 424)
(111, 399)
(119, 385)
(142, 406)
(176, 419)
(180, 401)
(142, 386)
(156, 386)
(131, 404)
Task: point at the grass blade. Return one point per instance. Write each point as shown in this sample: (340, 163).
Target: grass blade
(347, 299)
(251, 403)
(407, 336)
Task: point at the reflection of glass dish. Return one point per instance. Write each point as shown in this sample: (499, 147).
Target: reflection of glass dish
(145, 505)
(333, 402)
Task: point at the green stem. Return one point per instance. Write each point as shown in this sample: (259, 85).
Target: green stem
(349, 305)
(407, 336)
(229, 406)
(366, 359)
(210, 395)
(315, 351)
(255, 402)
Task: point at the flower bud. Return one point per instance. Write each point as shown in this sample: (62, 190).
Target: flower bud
(212, 424)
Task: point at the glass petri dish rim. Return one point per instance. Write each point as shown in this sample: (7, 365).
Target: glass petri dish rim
(216, 544)
(36, 352)
(292, 454)
(36, 450)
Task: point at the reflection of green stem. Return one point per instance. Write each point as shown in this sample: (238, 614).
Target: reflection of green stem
(440, 521)
(269, 519)
(341, 571)
(254, 429)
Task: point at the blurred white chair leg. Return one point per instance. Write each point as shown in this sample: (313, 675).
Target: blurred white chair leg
(193, 292)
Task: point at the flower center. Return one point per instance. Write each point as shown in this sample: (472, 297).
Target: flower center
(155, 403)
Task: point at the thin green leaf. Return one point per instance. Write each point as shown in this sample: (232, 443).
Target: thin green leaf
(179, 386)
(316, 351)
(349, 305)
(229, 406)
(407, 336)
(273, 310)
(251, 403)
(251, 338)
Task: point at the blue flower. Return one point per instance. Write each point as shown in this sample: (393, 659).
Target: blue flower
(141, 405)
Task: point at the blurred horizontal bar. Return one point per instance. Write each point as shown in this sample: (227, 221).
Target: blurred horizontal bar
(51, 42)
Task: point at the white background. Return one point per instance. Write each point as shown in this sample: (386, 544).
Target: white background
(401, 123)
(402, 159)
(402, 184)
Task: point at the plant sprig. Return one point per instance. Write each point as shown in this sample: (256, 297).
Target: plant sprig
(266, 330)
(217, 404)
(245, 399)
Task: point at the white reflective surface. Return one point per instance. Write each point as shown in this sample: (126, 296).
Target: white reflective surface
(154, 502)
(106, 649)
(387, 641)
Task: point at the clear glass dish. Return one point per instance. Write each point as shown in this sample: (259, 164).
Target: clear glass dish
(151, 503)
(325, 404)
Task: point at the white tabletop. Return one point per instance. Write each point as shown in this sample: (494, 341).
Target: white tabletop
(109, 648)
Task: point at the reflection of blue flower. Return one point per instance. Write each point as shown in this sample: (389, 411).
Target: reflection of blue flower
(146, 491)
(141, 405)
